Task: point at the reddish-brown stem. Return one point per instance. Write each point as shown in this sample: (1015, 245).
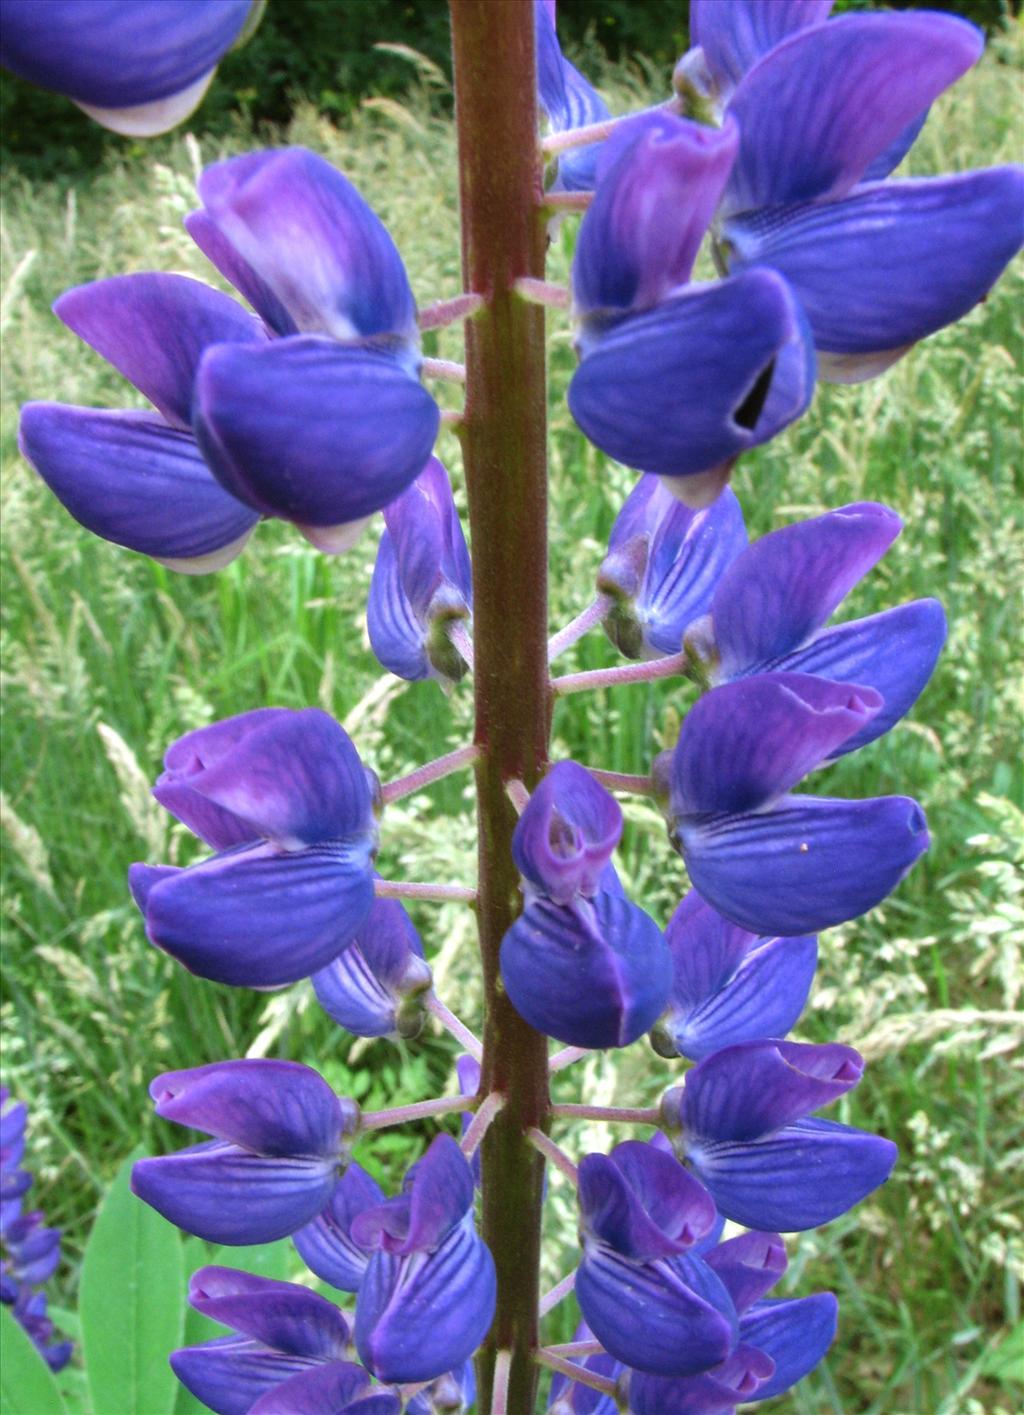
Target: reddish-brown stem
(503, 437)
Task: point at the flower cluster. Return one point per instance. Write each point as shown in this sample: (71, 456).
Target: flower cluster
(279, 1164)
(31, 1251)
(311, 412)
(828, 264)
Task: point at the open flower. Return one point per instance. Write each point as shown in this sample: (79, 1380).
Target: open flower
(649, 1300)
(139, 67)
(728, 985)
(283, 798)
(772, 862)
(675, 378)
(322, 422)
(824, 117)
(279, 1143)
(741, 1121)
(279, 1330)
(663, 563)
(769, 610)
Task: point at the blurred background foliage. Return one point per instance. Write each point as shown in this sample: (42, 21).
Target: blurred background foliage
(323, 52)
(108, 657)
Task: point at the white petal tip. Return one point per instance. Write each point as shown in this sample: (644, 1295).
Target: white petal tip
(334, 540)
(858, 368)
(149, 120)
(207, 564)
(701, 490)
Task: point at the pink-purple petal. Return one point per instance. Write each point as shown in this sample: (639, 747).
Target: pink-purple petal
(744, 744)
(308, 235)
(782, 588)
(154, 328)
(628, 256)
(818, 108)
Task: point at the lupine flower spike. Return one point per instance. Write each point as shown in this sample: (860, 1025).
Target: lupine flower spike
(30, 1251)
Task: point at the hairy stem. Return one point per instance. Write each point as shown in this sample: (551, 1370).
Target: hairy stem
(623, 781)
(503, 434)
(561, 1059)
(628, 1115)
(418, 1110)
(444, 312)
(645, 672)
(443, 368)
(481, 1122)
(452, 1024)
(407, 889)
(558, 1293)
(576, 628)
(576, 1373)
(553, 1152)
(431, 771)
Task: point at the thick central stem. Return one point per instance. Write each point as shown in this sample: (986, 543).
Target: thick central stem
(504, 443)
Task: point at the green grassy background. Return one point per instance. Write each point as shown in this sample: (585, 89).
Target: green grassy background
(108, 657)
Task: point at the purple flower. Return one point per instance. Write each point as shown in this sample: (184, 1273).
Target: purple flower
(139, 67)
(340, 1388)
(728, 985)
(283, 798)
(771, 862)
(740, 1120)
(780, 1341)
(422, 582)
(568, 101)
(663, 563)
(677, 379)
(279, 1142)
(729, 39)
(651, 1302)
(279, 1330)
(137, 478)
(320, 419)
(581, 963)
(376, 987)
(570, 1398)
(326, 1244)
(30, 1250)
(428, 1294)
(824, 117)
(768, 612)
(450, 1394)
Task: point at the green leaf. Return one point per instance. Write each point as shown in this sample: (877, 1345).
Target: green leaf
(132, 1304)
(27, 1386)
(1004, 1362)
